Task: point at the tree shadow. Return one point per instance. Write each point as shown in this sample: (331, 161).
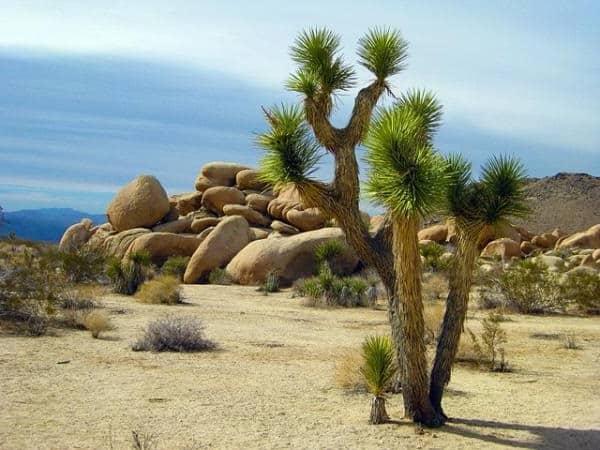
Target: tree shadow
(547, 437)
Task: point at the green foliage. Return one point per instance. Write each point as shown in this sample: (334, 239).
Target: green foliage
(378, 363)
(321, 71)
(175, 266)
(82, 265)
(127, 276)
(219, 276)
(327, 290)
(328, 250)
(383, 52)
(432, 252)
(583, 290)
(271, 283)
(406, 174)
(291, 152)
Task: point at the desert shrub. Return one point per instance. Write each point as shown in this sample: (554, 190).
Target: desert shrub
(174, 334)
(327, 290)
(526, 287)
(348, 375)
(82, 265)
(163, 289)
(271, 283)
(175, 266)
(219, 276)
(326, 251)
(432, 252)
(127, 276)
(569, 342)
(435, 286)
(96, 322)
(487, 349)
(31, 285)
(433, 314)
(583, 290)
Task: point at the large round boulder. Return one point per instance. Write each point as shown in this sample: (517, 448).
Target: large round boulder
(215, 198)
(258, 202)
(504, 248)
(287, 199)
(186, 203)
(117, 244)
(435, 233)
(306, 220)
(163, 245)
(253, 217)
(249, 179)
(230, 236)
(284, 228)
(202, 223)
(141, 203)
(183, 225)
(290, 257)
(76, 235)
(222, 173)
(589, 238)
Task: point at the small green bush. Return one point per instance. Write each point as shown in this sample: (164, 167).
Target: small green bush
(219, 276)
(326, 251)
(488, 347)
(327, 290)
(271, 283)
(432, 252)
(82, 265)
(175, 266)
(583, 290)
(164, 289)
(127, 276)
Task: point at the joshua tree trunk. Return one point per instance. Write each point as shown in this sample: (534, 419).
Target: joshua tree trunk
(453, 324)
(417, 405)
(378, 413)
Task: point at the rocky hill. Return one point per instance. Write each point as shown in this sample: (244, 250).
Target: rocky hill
(569, 201)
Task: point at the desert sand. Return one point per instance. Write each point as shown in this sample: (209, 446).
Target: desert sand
(271, 383)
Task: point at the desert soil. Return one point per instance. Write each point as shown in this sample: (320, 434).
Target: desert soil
(272, 383)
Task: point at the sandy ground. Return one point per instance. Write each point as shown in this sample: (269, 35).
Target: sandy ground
(271, 383)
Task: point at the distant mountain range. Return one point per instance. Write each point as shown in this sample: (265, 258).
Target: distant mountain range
(47, 224)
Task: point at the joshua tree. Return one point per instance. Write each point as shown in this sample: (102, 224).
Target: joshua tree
(409, 186)
(378, 369)
(474, 208)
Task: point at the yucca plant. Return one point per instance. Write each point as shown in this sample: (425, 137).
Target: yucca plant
(127, 275)
(474, 207)
(378, 369)
(326, 251)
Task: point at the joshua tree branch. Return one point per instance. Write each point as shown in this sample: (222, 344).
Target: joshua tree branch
(361, 113)
(317, 116)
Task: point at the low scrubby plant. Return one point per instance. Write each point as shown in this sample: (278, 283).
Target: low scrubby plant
(174, 334)
(487, 349)
(219, 276)
(326, 251)
(97, 322)
(569, 342)
(432, 253)
(128, 275)
(348, 375)
(175, 266)
(582, 289)
(82, 265)
(164, 289)
(271, 283)
(328, 290)
(378, 369)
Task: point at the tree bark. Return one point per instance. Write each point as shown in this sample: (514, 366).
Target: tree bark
(378, 413)
(415, 392)
(461, 276)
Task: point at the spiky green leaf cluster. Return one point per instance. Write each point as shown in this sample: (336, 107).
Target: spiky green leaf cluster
(291, 152)
(383, 52)
(406, 174)
(495, 198)
(378, 363)
(321, 70)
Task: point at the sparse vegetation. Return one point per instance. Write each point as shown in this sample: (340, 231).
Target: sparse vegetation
(569, 342)
(127, 276)
(328, 290)
(174, 334)
(583, 290)
(271, 283)
(432, 253)
(219, 276)
(175, 266)
(348, 374)
(164, 289)
(326, 251)
(378, 369)
(487, 349)
(97, 322)
(82, 266)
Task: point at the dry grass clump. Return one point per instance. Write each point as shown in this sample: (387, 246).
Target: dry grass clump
(435, 286)
(164, 289)
(347, 372)
(174, 334)
(433, 314)
(486, 350)
(97, 322)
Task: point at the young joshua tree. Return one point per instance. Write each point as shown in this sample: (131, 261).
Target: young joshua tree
(474, 207)
(292, 150)
(378, 369)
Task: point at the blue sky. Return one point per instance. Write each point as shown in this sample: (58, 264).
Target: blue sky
(93, 94)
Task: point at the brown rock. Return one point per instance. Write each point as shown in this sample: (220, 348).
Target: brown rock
(258, 202)
(505, 248)
(436, 233)
(117, 244)
(222, 173)
(203, 183)
(220, 246)
(596, 254)
(525, 235)
(258, 233)
(141, 203)
(203, 223)
(183, 225)
(100, 234)
(286, 200)
(249, 179)
(76, 236)
(375, 223)
(527, 247)
(589, 261)
(290, 257)
(204, 233)
(186, 203)
(215, 198)
(253, 217)
(284, 228)
(163, 245)
(306, 220)
(589, 238)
